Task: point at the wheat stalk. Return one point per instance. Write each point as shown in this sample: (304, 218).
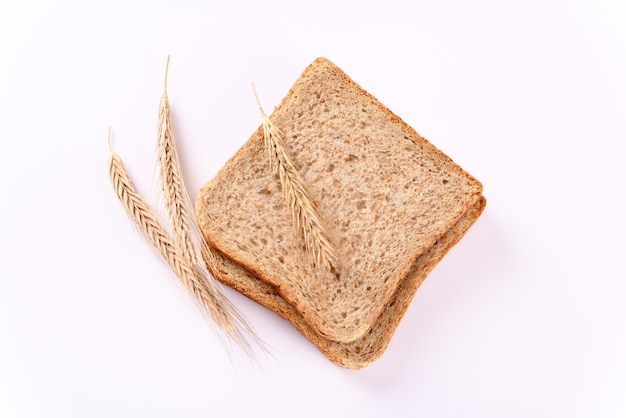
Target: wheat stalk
(188, 239)
(302, 208)
(173, 189)
(214, 306)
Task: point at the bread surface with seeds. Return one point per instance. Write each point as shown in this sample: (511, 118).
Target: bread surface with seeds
(387, 196)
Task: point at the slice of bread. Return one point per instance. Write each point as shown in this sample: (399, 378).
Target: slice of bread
(363, 351)
(388, 197)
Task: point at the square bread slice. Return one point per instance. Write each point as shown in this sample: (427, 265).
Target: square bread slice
(392, 202)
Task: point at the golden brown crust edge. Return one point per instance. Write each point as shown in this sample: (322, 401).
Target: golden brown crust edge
(370, 347)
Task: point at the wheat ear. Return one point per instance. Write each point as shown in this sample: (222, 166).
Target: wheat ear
(171, 181)
(188, 240)
(214, 306)
(302, 208)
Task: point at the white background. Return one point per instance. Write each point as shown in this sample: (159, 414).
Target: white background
(526, 317)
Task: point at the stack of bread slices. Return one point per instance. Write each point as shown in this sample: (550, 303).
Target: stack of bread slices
(392, 204)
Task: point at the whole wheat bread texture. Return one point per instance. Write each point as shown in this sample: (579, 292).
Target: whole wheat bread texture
(362, 351)
(386, 194)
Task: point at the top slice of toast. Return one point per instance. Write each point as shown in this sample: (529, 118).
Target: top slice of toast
(384, 193)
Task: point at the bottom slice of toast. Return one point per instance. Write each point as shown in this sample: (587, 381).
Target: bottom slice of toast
(363, 351)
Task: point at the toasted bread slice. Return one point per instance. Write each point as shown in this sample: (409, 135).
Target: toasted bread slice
(386, 194)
